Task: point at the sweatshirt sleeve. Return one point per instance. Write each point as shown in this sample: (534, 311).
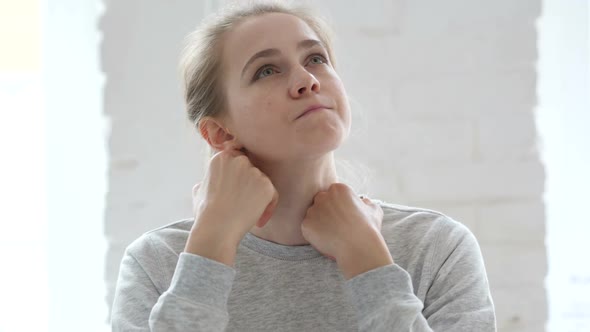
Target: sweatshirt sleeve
(457, 300)
(196, 299)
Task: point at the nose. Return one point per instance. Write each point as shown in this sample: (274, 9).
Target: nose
(303, 83)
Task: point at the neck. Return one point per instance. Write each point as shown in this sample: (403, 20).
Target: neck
(297, 183)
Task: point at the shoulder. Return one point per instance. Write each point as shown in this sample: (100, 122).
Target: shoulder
(156, 252)
(422, 240)
(152, 257)
(421, 230)
(167, 240)
(420, 222)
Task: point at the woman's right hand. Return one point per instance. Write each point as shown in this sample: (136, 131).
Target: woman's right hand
(233, 197)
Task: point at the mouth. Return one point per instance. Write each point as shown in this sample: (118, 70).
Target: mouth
(310, 109)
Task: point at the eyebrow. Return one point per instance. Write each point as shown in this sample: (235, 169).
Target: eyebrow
(304, 44)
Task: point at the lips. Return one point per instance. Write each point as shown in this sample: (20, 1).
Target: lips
(309, 109)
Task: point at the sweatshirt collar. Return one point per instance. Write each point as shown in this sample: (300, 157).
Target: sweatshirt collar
(279, 251)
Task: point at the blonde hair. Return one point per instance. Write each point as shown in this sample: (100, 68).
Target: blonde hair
(200, 63)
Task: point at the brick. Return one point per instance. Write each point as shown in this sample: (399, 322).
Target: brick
(370, 15)
(454, 96)
(517, 223)
(355, 174)
(370, 108)
(506, 136)
(386, 188)
(518, 308)
(364, 60)
(413, 57)
(426, 16)
(467, 214)
(479, 48)
(440, 141)
(472, 182)
(512, 265)
(538, 326)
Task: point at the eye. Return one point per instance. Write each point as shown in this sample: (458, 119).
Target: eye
(318, 59)
(263, 72)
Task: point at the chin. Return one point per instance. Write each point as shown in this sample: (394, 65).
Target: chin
(322, 147)
(311, 146)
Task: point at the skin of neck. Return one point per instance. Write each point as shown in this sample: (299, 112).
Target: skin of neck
(297, 183)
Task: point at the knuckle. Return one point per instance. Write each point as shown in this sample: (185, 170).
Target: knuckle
(321, 196)
(225, 153)
(259, 176)
(240, 158)
(268, 188)
(305, 226)
(380, 211)
(339, 187)
(216, 157)
(222, 157)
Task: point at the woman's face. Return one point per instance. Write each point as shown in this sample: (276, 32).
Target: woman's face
(275, 68)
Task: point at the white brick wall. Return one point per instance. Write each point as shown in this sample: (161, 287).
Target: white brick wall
(442, 95)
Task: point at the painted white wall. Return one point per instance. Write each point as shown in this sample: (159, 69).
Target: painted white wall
(444, 91)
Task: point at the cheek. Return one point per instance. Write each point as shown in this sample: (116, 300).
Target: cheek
(333, 84)
(258, 118)
(247, 105)
(265, 106)
(340, 95)
(338, 85)
(259, 107)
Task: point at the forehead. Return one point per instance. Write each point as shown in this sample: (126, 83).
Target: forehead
(272, 30)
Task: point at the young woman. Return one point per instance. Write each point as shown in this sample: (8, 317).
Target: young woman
(276, 242)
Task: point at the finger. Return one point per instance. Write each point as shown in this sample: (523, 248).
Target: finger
(234, 146)
(234, 152)
(196, 188)
(325, 255)
(365, 199)
(268, 211)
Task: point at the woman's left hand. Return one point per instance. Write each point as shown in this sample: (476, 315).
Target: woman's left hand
(339, 221)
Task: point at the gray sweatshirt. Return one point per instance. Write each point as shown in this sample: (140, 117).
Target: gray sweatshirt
(438, 282)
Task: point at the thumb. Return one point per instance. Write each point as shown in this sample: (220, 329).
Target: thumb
(194, 197)
(365, 199)
(267, 214)
(196, 188)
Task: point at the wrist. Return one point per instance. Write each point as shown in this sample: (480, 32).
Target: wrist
(210, 242)
(369, 254)
(209, 247)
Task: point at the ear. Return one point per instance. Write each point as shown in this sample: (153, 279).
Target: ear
(216, 135)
